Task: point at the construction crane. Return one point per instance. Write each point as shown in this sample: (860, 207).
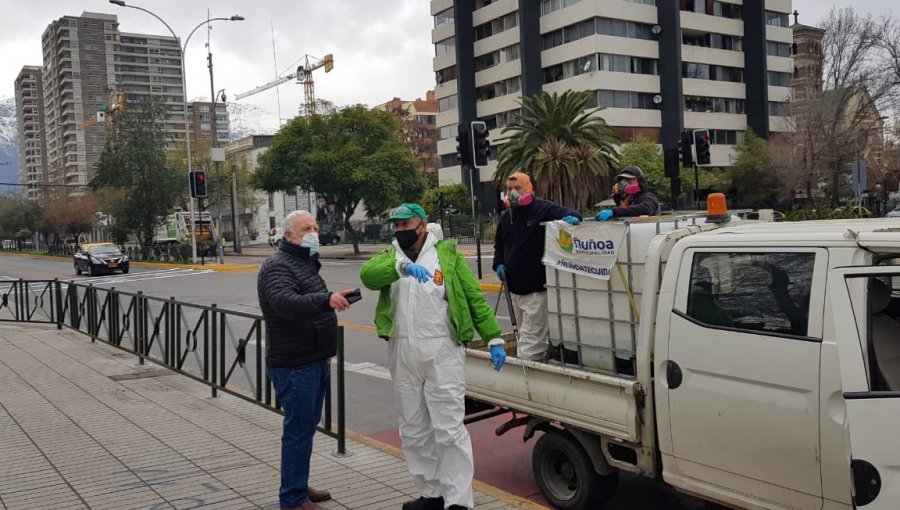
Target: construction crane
(304, 76)
(103, 112)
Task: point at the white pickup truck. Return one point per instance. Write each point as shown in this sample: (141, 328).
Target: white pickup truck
(764, 374)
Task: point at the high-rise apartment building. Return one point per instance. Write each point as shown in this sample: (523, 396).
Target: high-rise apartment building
(200, 117)
(150, 66)
(78, 73)
(658, 67)
(88, 64)
(32, 144)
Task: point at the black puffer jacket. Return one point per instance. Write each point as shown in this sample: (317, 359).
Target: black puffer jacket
(301, 326)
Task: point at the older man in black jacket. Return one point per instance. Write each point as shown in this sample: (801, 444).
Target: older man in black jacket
(301, 335)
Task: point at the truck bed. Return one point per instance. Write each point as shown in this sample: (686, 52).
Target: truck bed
(581, 399)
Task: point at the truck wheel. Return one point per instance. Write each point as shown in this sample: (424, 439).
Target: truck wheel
(565, 475)
(77, 270)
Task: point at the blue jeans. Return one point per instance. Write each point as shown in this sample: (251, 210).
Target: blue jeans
(300, 391)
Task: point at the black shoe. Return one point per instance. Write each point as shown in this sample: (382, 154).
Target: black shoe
(457, 507)
(424, 503)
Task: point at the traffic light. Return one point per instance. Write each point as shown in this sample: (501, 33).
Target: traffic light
(481, 147)
(198, 184)
(701, 141)
(464, 146)
(684, 147)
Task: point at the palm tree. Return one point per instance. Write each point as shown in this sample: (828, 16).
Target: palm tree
(570, 152)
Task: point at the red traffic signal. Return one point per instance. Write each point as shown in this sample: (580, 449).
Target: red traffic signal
(198, 184)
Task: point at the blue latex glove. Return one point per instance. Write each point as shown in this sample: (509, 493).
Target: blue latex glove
(498, 357)
(501, 272)
(605, 215)
(418, 272)
(572, 220)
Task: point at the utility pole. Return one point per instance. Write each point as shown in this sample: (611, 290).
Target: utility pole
(214, 156)
(234, 228)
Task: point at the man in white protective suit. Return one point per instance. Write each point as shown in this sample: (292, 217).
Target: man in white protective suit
(430, 306)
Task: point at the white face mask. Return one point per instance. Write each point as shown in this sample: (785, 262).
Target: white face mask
(310, 240)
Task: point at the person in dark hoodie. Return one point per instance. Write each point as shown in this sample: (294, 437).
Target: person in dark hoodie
(632, 195)
(518, 250)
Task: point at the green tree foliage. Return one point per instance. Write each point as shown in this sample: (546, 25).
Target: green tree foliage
(16, 215)
(134, 163)
(648, 156)
(754, 182)
(455, 195)
(569, 151)
(351, 156)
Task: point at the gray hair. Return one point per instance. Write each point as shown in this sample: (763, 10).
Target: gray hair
(288, 224)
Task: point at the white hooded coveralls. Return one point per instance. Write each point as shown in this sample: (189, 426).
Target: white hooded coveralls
(429, 376)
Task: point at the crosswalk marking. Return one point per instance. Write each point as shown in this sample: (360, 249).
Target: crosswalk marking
(139, 276)
(370, 369)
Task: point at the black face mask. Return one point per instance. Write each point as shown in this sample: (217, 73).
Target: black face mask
(406, 238)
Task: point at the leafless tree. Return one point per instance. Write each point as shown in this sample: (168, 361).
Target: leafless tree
(836, 117)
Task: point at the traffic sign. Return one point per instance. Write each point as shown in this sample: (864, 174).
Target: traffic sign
(860, 177)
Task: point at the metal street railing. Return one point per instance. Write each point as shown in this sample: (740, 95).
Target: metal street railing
(223, 349)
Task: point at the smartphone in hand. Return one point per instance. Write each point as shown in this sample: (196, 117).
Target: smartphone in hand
(354, 296)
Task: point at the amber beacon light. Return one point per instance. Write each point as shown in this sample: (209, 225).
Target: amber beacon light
(717, 209)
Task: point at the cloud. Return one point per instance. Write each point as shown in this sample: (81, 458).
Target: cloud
(380, 50)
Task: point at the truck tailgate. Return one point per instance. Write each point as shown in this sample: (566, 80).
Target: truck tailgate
(585, 400)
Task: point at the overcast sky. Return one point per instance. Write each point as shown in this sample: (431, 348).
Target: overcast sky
(381, 49)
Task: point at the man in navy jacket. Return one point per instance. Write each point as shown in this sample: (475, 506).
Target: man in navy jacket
(518, 250)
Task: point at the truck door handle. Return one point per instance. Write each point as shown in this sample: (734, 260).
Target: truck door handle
(866, 481)
(673, 374)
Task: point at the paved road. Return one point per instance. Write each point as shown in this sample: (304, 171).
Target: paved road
(504, 462)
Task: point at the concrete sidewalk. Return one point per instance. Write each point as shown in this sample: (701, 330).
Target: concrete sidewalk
(83, 426)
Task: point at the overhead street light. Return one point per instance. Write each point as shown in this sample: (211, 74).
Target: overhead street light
(187, 133)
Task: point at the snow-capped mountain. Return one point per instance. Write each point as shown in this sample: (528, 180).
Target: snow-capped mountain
(247, 119)
(9, 143)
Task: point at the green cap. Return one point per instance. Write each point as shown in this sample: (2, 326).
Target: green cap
(407, 211)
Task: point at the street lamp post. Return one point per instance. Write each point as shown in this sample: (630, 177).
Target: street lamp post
(187, 133)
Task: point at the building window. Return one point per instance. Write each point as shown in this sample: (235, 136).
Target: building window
(448, 160)
(444, 17)
(448, 132)
(272, 206)
(712, 72)
(500, 88)
(754, 292)
(548, 6)
(717, 41)
(779, 109)
(626, 99)
(445, 75)
(511, 53)
(627, 64)
(569, 69)
(777, 79)
(726, 10)
(444, 47)
(496, 26)
(777, 19)
(713, 104)
(725, 137)
(777, 49)
(445, 104)
(486, 61)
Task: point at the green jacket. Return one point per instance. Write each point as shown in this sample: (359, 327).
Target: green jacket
(468, 308)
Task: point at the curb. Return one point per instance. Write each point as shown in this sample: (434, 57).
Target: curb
(224, 268)
(491, 287)
(490, 490)
(214, 267)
